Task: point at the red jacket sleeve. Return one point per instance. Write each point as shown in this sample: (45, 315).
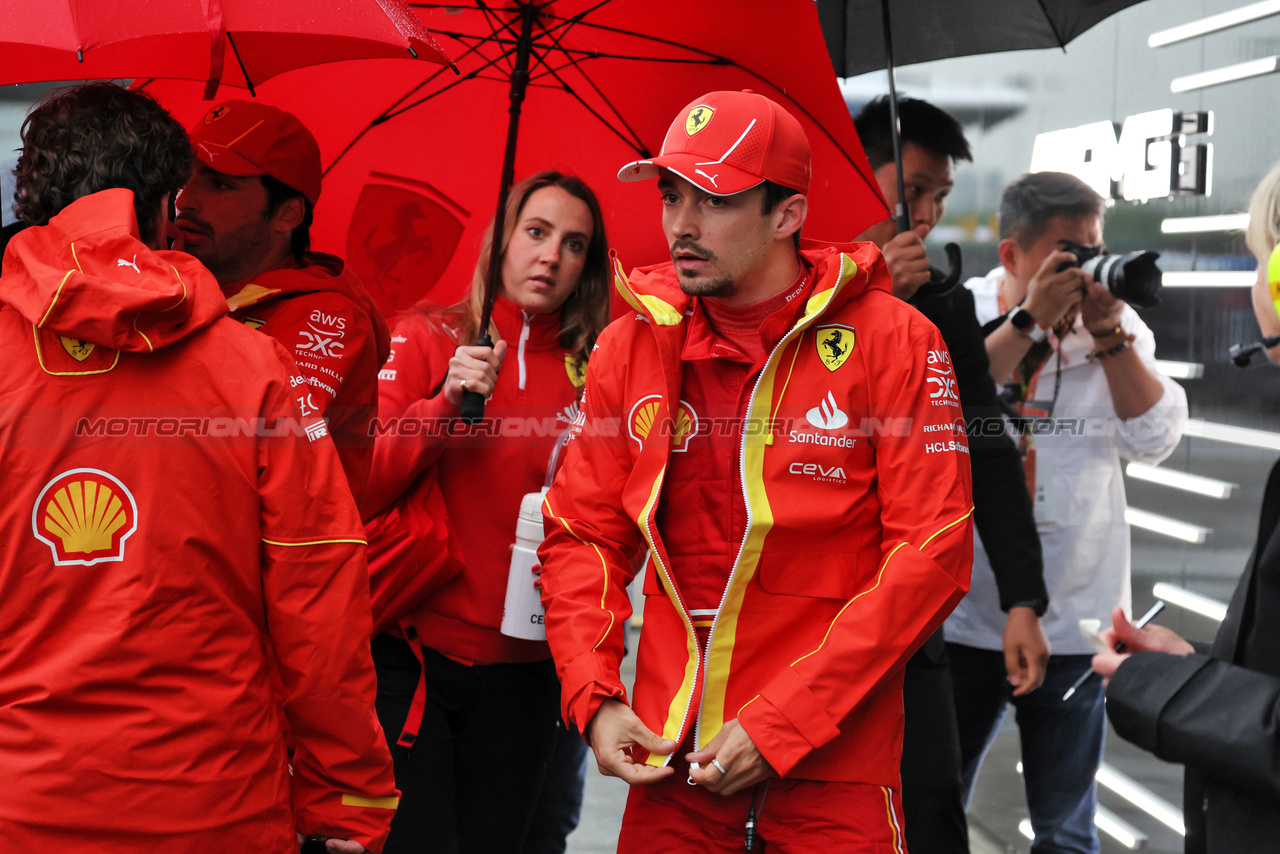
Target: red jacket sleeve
(925, 512)
(585, 564)
(316, 596)
(408, 394)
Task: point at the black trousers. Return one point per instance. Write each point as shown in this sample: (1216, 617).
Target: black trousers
(932, 791)
(471, 780)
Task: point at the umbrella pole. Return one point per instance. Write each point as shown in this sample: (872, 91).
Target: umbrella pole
(473, 402)
(900, 213)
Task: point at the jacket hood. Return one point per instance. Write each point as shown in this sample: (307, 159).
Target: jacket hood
(843, 271)
(319, 273)
(87, 275)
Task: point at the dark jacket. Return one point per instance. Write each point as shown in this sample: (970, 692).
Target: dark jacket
(1219, 714)
(1002, 505)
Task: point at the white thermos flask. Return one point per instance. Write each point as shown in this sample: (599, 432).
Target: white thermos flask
(522, 609)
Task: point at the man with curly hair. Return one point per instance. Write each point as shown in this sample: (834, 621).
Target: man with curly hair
(176, 561)
(246, 214)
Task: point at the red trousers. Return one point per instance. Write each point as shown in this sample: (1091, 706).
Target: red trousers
(792, 816)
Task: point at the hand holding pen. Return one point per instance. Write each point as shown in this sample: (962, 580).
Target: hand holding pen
(1119, 637)
(1136, 638)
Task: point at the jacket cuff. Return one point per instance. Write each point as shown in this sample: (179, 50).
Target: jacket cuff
(1141, 688)
(786, 722)
(585, 684)
(432, 408)
(362, 819)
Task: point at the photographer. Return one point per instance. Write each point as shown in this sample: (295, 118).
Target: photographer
(1080, 366)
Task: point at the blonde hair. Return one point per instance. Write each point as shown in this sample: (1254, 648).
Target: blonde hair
(585, 313)
(1263, 232)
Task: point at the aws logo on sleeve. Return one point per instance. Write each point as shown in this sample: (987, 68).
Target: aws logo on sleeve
(84, 516)
(644, 419)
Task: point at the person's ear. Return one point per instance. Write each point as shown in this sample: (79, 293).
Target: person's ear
(289, 215)
(155, 234)
(795, 210)
(1009, 250)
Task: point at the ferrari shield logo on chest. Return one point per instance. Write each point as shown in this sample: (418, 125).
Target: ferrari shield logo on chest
(576, 368)
(698, 118)
(834, 343)
(76, 349)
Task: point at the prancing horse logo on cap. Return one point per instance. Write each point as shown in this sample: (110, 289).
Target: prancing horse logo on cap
(698, 118)
(216, 113)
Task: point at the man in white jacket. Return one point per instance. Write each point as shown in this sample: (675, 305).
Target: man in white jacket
(1081, 366)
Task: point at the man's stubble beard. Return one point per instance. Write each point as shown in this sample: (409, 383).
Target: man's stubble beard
(707, 287)
(237, 253)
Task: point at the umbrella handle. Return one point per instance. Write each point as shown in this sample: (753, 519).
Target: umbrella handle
(473, 401)
(940, 283)
(952, 277)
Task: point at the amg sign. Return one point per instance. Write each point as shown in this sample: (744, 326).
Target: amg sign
(1149, 159)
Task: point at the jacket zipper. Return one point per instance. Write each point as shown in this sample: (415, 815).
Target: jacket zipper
(524, 336)
(657, 560)
(742, 476)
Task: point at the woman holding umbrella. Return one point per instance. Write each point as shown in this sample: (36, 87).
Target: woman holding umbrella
(472, 714)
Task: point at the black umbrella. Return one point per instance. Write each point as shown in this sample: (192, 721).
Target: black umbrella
(942, 29)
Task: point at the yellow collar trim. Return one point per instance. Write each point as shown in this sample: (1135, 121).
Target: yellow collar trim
(657, 310)
(250, 294)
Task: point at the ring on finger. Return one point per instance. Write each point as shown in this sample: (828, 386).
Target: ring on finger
(462, 384)
(719, 767)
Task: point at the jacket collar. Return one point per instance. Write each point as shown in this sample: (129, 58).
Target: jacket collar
(544, 329)
(655, 294)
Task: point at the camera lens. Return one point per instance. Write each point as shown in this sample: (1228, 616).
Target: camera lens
(1132, 277)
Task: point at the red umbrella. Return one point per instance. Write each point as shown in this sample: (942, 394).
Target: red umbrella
(239, 42)
(414, 156)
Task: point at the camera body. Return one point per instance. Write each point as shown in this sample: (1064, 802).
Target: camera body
(1132, 277)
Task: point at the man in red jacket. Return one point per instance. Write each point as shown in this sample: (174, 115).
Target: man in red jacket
(784, 436)
(182, 583)
(246, 214)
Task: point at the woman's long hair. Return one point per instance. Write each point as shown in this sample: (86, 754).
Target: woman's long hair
(585, 313)
(1263, 233)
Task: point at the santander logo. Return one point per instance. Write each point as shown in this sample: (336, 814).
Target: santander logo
(827, 415)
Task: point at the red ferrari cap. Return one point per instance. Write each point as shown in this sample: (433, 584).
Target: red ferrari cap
(728, 142)
(250, 138)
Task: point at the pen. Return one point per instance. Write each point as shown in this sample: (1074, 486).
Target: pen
(1119, 647)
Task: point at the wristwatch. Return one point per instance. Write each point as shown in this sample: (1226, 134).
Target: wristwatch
(1026, 326)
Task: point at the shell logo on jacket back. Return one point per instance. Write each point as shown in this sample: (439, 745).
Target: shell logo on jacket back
(644, 419)
(834, 343)
(84, 516)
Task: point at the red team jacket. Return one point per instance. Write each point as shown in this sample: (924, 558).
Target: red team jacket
(168, 516)
(857, 543)
(338, 338)
(482, 473)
